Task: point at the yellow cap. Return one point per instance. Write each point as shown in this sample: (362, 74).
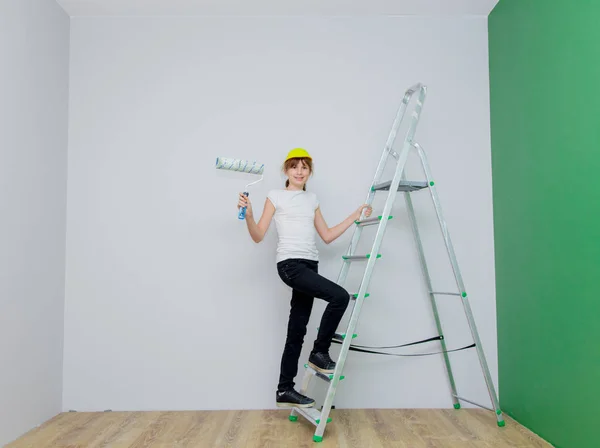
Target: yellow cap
(298, 153)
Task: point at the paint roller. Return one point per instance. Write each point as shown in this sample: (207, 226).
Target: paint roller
(243, 166)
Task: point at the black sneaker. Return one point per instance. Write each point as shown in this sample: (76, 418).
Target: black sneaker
(321, 362)
(291, 398)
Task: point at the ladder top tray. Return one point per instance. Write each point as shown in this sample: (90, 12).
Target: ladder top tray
(404, 185)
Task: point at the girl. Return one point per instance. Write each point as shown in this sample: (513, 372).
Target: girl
(297, 215)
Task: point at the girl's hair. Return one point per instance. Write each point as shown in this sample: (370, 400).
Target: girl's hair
(291, 163)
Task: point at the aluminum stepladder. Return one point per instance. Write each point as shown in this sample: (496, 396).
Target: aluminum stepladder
(397, 184)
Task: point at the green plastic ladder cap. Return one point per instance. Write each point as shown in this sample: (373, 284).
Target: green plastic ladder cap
(501, 423)
(306, 366)
(356, 295)
(378, 256)
(464, 294)
(498, 412)
(317, 439)
(432, 183)
(353, 336)
(341, 377)
(456, 405)
(293, 418)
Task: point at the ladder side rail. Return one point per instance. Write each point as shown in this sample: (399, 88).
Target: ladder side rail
(343, 273)
(400, 113)
(427, 277)
(372, 259)
(357, 307)
(467, 307)
(441, 220)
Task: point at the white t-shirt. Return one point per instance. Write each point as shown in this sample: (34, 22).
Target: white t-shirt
(295, 221)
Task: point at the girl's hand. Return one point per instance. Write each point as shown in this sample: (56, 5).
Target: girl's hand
(360, 209)
(244, 201)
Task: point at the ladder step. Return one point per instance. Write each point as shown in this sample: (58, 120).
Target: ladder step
(358, 257)
(325, 377)
(355, 296)
(404, 185)
(445, 293)
(310, 414)
(370, 221)
(341, 336)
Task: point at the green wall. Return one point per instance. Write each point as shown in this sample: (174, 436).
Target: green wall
(545, 112)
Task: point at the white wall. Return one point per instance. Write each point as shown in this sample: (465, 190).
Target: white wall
(34, 56)
(169, 304)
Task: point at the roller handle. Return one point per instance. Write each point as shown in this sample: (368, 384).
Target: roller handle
(242, 213)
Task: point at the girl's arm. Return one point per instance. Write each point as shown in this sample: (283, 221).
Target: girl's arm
(257, 231)
(331, 234)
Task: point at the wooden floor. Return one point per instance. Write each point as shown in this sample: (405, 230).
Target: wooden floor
(465, 428)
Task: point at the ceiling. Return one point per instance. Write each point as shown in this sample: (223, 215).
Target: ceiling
(276, 7)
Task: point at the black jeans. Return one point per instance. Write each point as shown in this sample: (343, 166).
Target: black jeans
(302, 276)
